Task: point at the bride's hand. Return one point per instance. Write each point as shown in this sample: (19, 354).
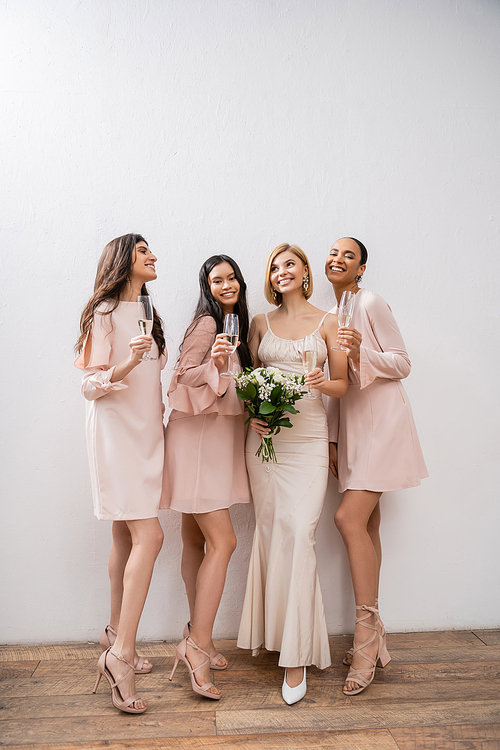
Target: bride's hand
(333, 459)
(259, 426)
(315, 379)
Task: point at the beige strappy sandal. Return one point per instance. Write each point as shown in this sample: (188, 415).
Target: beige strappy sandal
(358, 676)
(204, 689)
(214, 664)
(116, 696)
(347, 660)
(107, 640)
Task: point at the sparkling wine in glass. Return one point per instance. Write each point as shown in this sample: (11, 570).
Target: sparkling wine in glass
(231, 331)
(344, 314)
(309, 359)
(145, 320)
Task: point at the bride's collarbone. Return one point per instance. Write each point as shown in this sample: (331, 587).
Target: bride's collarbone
(295, 327)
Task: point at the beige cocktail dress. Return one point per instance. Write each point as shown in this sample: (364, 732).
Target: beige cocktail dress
(124, 420)
(283, 608)
(204, 466)
(378, 445)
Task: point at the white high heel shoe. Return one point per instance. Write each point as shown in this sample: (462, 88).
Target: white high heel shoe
(295, 694)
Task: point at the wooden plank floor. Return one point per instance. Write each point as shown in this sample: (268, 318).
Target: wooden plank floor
(440, 692)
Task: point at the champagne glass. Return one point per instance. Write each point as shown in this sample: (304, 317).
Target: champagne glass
(309, 359)
(145, 320)
(231, 331)
(344, 314)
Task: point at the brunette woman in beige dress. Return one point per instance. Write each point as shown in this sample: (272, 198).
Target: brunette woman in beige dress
(125, 443)
(205, 469)
(374, 447)
(283, 608)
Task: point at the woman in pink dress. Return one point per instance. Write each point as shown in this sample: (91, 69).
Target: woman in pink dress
(124, 412)
(204, 469)
(374, 446)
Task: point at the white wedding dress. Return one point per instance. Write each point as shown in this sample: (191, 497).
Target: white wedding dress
(283, 608)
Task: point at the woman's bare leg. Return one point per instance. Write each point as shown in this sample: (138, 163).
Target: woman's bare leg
(374, 532)
(193, 553)
(364, 552)
(118, 558)
(220, 541)
(147, 538)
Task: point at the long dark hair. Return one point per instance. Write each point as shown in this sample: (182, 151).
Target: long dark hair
(113, 273)
(208, 305)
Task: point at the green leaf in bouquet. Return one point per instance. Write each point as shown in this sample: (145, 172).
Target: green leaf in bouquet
(251, 391)
(266, 408)
(289, 408)
(283, 422)
(275, 395)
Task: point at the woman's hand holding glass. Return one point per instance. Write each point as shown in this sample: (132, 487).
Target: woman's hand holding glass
(139, 347)
(345, 311)
(231, 331)
(145, 319)
(221, 351)
(350, 340)
(315, 379)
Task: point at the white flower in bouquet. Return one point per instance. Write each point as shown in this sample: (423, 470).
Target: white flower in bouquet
(270, 395)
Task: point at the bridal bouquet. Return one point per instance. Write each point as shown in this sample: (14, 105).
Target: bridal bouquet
(268, 395)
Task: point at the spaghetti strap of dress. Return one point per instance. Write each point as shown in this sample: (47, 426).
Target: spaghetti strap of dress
(321, 321)
(267, 321)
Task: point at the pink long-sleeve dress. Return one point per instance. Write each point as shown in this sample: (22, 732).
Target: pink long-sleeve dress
(378, 445)
(124, 420)
(204, 467)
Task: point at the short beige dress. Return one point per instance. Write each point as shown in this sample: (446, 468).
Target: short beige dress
(124, 420)
(378, 445)
(283, 608)
(204, 468)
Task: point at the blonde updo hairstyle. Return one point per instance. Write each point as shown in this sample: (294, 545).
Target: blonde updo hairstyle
(272, 295)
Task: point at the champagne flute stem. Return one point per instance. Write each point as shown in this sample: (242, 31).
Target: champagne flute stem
(228, 373)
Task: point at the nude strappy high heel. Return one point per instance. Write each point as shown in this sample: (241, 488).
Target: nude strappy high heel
(116, 696)
(347, 660)
(181, 654)
(214, 663)
(358, 676)
(107, 640)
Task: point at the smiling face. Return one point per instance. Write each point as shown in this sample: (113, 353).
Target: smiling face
(143, 265)
(224, 286)
(287, 272)
(343, 264)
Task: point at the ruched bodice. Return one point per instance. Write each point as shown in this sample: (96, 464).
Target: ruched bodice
(287, 353)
